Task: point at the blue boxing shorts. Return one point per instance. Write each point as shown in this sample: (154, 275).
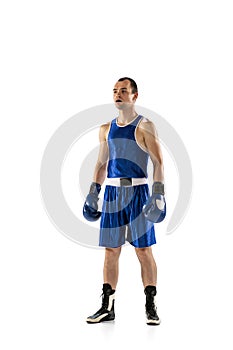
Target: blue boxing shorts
(122, 218)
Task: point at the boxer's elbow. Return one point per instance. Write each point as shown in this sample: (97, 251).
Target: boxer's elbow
(157, 161)
(100, 172)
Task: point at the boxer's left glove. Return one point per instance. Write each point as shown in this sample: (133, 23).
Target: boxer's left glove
(90, 208)
(155, 208)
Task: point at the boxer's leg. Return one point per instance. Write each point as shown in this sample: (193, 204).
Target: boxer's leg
(111, 266)
(148, 266)
(149, 279)
(107, 312)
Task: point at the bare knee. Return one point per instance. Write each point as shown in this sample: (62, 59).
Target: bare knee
(112, 253)
(144, 254)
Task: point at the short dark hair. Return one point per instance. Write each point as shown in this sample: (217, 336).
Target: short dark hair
(132, 84)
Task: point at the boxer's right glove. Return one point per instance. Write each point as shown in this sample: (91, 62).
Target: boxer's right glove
(155, 208)
(90, 208)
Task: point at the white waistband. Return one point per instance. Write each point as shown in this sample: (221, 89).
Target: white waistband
(113, 181)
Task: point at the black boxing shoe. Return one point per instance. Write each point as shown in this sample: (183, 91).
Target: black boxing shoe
(152, 317)
(106, 312)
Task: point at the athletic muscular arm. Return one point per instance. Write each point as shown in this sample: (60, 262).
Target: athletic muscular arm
(149, 139)
(102, 161)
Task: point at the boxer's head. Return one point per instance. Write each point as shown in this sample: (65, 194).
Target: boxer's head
(125, 92)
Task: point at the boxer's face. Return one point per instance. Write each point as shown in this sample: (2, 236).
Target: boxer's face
(122, 94)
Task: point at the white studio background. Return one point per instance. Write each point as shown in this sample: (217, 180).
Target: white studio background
(59, 58)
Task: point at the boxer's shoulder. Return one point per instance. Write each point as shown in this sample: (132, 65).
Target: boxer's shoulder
(104, 129)
(146, 125)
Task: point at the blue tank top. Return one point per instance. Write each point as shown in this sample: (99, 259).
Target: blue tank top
(126, 158)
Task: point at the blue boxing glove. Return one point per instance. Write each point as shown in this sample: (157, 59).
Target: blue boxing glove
(90, 208)
(155, 208)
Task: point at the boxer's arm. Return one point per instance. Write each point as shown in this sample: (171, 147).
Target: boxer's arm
(152, 145)
(102, 161)
(155, 208)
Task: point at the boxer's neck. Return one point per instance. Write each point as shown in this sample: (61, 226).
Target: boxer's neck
(126, 115)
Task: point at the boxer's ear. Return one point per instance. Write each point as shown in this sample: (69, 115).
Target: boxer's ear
(135, 96)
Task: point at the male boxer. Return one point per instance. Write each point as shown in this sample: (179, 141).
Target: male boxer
(128, 211)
